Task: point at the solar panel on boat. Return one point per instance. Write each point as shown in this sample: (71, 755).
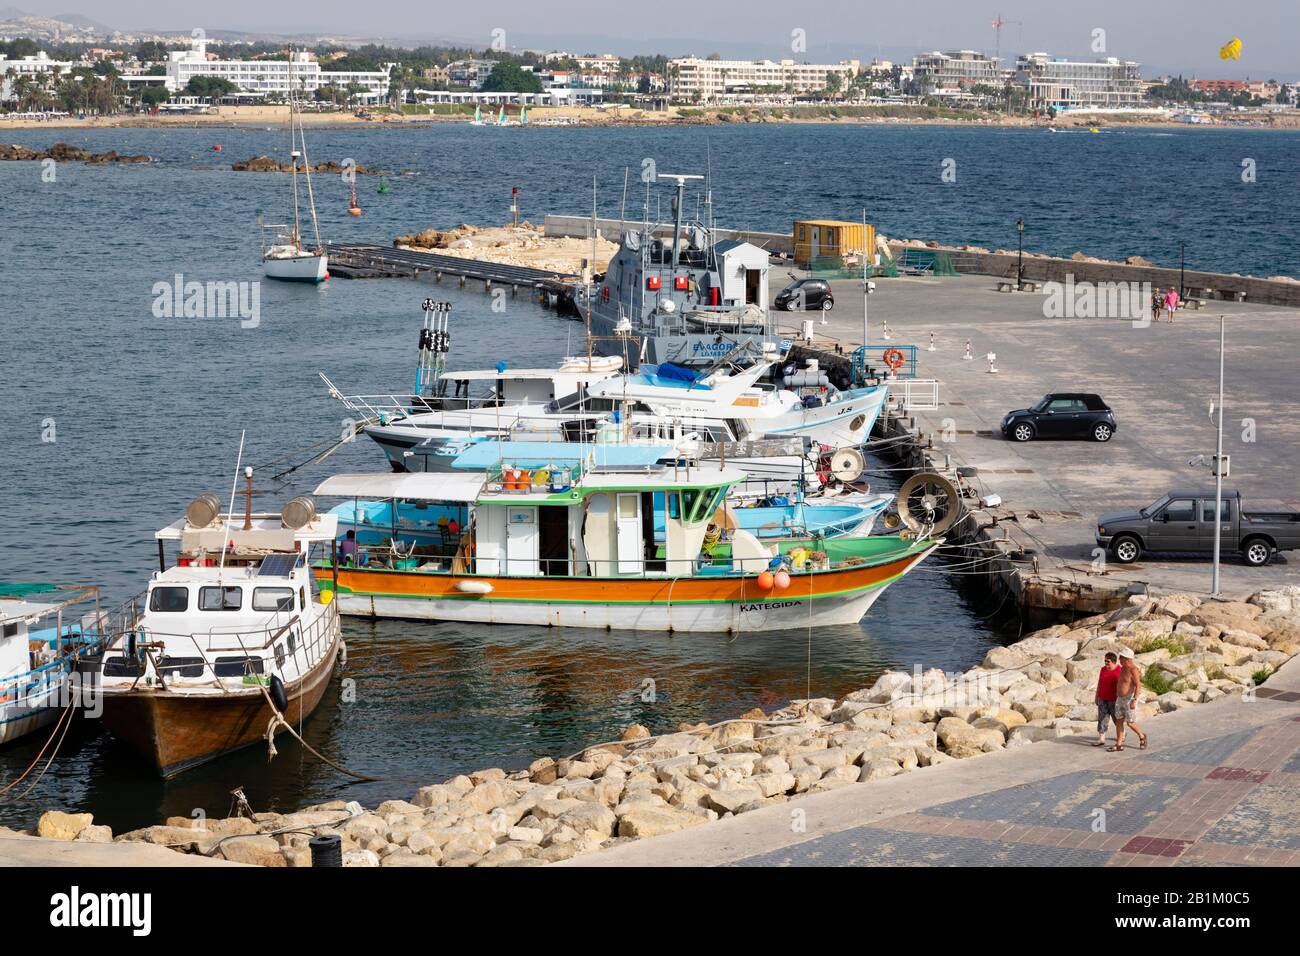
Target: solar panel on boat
(277, 565)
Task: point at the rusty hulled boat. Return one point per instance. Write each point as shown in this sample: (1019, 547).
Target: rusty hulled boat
(230, 644)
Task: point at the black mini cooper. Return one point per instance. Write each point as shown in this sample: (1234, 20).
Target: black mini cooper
(1062, 415)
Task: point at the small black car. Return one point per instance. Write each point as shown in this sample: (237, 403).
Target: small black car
(1062, 415)
(806, 294)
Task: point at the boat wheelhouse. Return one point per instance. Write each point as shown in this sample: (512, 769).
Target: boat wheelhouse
(617, 538)
(673, 293)
(230, 643)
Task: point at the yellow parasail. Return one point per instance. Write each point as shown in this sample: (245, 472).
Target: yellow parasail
(1231, 50)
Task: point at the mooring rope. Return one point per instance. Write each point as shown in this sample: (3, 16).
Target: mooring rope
(277, 720)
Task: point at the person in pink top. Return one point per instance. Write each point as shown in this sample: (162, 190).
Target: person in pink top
(1171, 302)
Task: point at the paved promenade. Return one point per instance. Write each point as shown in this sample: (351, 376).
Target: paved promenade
(1159, 379)
(1219, 786)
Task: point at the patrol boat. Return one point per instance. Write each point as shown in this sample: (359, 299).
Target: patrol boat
(688, 299)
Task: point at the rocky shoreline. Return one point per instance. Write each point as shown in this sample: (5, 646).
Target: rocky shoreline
(265, 164)
(64, 153)
(1191, 651)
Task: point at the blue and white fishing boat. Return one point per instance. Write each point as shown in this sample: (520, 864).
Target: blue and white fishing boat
(39, 653)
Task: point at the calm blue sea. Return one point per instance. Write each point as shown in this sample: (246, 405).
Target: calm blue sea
(147, 412)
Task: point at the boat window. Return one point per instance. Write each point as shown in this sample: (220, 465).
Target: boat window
(123, 667)
(674, 505)
(690, 500)
(169, 599)
(279, 656)
(237, 666)
(627, 506)
(220, 599)
(9, 630)
(180, 667)
(273, 599)
(598, 504)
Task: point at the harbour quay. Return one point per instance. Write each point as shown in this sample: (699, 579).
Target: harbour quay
(1158, 377)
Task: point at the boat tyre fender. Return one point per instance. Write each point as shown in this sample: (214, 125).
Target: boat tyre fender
(279, 696)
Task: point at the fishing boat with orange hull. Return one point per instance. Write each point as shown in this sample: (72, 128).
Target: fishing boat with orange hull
(616, 539)
(229, 646)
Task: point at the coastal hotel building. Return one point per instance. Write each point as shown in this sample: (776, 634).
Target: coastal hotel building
(272, 77)
(692, 78)
(1050, 81)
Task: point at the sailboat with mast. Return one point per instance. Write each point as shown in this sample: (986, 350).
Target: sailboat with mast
(286, 257)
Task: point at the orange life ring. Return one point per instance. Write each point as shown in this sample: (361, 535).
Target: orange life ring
(894, 359)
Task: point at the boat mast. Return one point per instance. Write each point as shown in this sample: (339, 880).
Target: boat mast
(293, 161)
(591, 270)
(306, 170)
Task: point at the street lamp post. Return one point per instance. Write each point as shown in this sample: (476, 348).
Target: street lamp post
(1218, 471)
(1020, 253)
(1182, 271)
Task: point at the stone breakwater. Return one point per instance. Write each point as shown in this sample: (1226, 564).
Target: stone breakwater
(1191, 652)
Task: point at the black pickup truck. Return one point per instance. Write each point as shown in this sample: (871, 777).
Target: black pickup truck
(1184, 521)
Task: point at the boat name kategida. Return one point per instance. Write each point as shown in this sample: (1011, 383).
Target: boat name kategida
(768, 605)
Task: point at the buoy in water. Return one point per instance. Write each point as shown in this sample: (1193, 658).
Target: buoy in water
(216, 148)
(354, 210)
(766, 581)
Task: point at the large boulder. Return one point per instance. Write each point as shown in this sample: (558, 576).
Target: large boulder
(647, 821)
(1047, 646)
(1285, 599)
(1229, 615)
(57, 825)
(960, 739)
(254, 850)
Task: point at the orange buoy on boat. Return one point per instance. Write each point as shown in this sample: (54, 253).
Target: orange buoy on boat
(766, 580)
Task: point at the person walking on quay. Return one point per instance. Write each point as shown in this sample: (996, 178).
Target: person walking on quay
(1107, 691)
(1171, 302)
(1157, 303)
(1128, 685)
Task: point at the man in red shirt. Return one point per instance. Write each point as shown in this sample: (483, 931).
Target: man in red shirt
(1107, 691)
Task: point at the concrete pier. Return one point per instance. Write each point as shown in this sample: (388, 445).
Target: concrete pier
(1159, 379)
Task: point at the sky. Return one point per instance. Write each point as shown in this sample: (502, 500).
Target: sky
(1166, 36)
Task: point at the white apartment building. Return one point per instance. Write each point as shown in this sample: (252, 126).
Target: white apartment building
(301, 72)
(957, 70)
(29, 66)
(606, 65)
(691, 78)
(1075, 84)
(470, 73)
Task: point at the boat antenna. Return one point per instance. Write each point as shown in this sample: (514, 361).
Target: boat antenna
(230, 512)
